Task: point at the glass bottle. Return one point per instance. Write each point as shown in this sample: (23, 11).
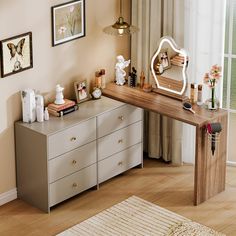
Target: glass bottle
(193, 93)
(199, 95)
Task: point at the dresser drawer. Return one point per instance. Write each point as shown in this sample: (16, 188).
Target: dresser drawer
(120, 140)
(119, 162)
(72, 161)
(117, 119)
(73, 184)
(71, 138)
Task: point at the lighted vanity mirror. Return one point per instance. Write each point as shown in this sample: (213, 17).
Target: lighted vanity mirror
(169, 66)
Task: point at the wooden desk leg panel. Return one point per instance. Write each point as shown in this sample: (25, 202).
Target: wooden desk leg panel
(210, 170)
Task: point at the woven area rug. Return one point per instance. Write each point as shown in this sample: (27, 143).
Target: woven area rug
(136, 216)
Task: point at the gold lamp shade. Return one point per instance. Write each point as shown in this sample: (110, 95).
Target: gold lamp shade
(120, 27)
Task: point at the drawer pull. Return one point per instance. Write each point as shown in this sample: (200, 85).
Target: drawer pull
(121, 118)
(73, 139)
(74, 162)
(120, 163)
(74, 185)
(120, 141)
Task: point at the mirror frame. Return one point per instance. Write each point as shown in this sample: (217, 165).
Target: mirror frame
(171, 42)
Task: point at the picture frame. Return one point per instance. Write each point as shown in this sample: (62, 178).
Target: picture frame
(81, 91)
(164, 58)
(16, 54)
(68, 21)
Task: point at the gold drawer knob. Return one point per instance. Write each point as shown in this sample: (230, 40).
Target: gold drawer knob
(74, 162)
(74, 185)
(121, 118)
(120, 141)
(73, 139)
(120, 163)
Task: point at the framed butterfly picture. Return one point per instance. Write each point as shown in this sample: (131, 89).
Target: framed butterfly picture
(16, 54)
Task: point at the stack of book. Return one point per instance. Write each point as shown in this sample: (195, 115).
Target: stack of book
(177, 60)
(61, 110)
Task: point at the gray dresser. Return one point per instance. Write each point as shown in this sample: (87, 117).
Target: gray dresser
(64, 156)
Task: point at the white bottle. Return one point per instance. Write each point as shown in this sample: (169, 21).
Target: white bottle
(46, 114)
(28, 105)
(39, 108)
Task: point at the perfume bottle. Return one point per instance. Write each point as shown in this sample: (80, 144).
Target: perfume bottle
(193, 93)
(199, 95)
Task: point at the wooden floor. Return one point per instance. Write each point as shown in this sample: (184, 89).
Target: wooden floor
(169, 187)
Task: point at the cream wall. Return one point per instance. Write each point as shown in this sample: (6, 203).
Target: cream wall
(62, 64)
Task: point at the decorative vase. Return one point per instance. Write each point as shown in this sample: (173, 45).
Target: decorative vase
(211, 80)
(213, 102)
(39, 108)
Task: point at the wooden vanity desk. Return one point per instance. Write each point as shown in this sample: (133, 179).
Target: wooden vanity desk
(210, 171)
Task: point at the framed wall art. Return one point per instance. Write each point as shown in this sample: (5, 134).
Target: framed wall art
(68, 21)
(81, 91)
(16, 54)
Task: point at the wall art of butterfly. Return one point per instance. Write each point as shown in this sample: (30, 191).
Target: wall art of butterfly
(16, 48)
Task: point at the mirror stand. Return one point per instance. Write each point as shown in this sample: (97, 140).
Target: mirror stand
(182, 97)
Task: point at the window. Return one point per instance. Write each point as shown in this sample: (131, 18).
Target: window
(229, 86)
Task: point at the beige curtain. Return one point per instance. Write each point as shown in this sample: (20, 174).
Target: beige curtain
(156, 18)
(204, 42)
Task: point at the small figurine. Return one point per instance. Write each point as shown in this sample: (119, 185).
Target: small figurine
(59, 95)
(120, 73)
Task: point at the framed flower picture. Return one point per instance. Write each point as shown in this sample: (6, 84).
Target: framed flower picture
(16, 54)
(81, 91)
(68, 21)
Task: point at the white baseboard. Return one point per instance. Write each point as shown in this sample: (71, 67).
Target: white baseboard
(8, 196)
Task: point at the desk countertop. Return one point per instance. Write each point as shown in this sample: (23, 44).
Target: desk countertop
(161, 104)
